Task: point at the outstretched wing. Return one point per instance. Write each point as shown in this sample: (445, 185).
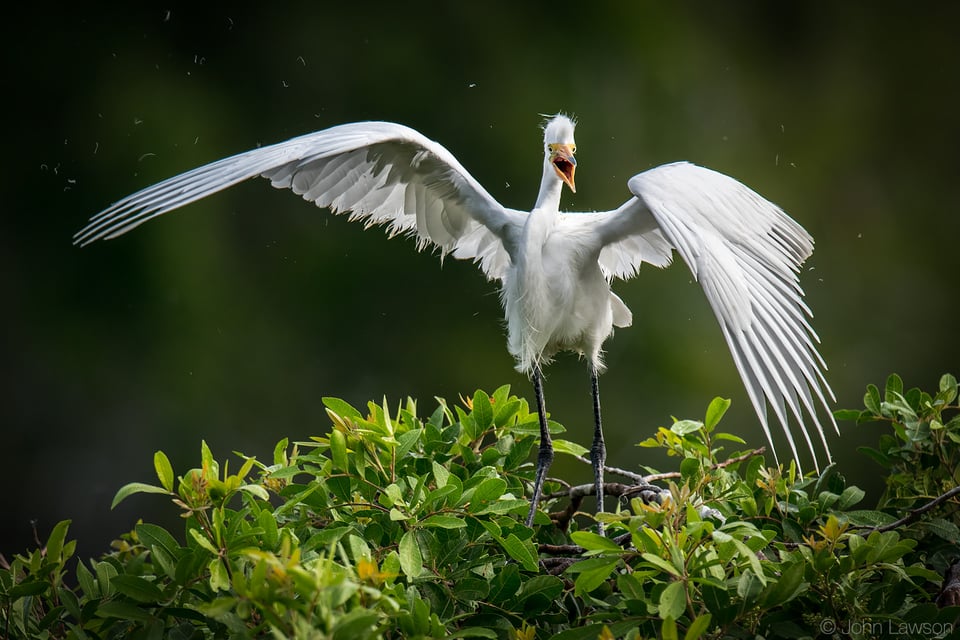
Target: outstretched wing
(378, 172)
(746, 254)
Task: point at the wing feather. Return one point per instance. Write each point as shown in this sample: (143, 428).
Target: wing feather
(746, 254)
(628, 241)
(377, 172)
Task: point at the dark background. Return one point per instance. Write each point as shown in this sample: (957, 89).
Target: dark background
(229, 320)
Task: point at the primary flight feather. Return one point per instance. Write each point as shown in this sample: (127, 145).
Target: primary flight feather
(555, 268)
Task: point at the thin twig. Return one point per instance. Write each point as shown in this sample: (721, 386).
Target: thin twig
(560, 549)
(636, 477)
(915, 513)
(577, 493)
(556, 566)
(652, 477)
(720, 465)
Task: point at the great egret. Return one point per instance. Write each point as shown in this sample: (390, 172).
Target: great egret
(555, 268)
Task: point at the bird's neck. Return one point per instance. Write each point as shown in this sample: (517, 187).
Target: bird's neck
(550, 187)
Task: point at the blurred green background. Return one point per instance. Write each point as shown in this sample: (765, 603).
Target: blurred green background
(229, 320)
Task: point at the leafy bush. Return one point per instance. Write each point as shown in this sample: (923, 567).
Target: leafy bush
(395, 525)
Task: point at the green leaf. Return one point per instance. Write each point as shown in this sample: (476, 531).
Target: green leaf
(698, 627)
(504, 585)
(894, 388)
(26, 589)
(717, 601)
(391, 564)
(531, 427)
(746, 552)
(474, 632)
(411, 560)
(357, 623)
(547, 588)
(847, 415)
(219, 578)
(280, 452)
(673, 601)
(593, 542)
(748, 586)
(359, 549)
(386, 420)
(789, 585)
(683, 427)
(271, 534)
(505, 412)
(255, 490)
(203, 541)
(504, 506)
(471, 589)
(71, 603)
(871, 400)
(406, 441)
(87, 582)
(122, 610)
(447, 495)
(338, 450)
(164, 471)
(520, 551)
(668, 629)
(342, 408)
(489, 490)
(440, 474)
(218, 607)
(245, 468)
(105, 573)
(154, 537)
(444, 522)
(850, 496)
(718, 407)
(689, 468)
(571, 448)
(593, 572)
(598, 630)
(729, 437)
(942, 528)
(867, 518)
(661, 564)
(887, 547)
(164, 562)
(211, 469)
(482, 410)
(128, 490)
(138, 588)
(948, 389)
(56, 539)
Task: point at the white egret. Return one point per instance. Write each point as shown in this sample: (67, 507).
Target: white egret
(555, 268)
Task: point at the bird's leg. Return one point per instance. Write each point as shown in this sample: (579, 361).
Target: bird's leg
(545, 457)
(598, 452)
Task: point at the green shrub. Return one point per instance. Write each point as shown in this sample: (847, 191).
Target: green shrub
(395, 525)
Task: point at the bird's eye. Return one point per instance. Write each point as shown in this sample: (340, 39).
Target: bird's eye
(573, 148)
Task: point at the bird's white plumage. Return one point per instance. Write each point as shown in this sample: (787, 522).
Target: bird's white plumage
(558, 129)
(378, 172)
(554, 267)
(746, 253)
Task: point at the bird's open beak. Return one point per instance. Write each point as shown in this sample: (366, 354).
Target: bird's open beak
(565, 164)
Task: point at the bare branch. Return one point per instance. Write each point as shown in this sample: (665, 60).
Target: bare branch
(915, 513)
(653, 477)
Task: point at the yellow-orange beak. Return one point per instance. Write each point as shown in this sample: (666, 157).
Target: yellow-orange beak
(565, 164)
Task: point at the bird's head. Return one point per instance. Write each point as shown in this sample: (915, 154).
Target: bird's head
(560, 148)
